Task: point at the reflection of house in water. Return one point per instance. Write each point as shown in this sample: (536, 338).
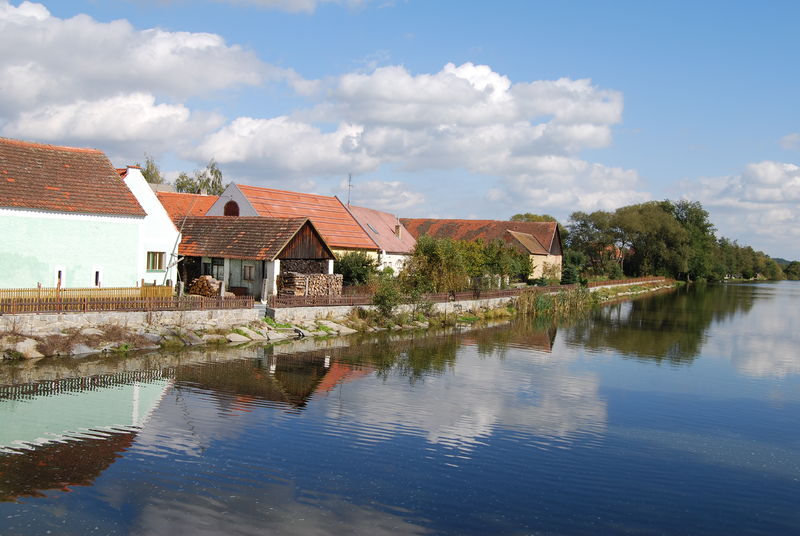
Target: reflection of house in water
(289, 379)
(67, 432)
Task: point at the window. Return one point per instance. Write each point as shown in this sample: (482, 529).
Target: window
(373, 229)
(231, 208)
(155, 260)
(248, 272)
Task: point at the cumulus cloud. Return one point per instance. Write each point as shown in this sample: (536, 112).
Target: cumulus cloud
(384, 195)
(79, 79)
(132, 120)
(462, 117)
(759, 205)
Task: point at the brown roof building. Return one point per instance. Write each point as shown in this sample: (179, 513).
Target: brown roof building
(540, 240)
(182, 205)
(62, 179)
(337, 226)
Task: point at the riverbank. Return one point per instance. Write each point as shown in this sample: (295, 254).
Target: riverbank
(65, 335)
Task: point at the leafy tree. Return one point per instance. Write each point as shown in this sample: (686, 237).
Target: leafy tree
(208, 180)
(356, 267)
(792, 270)
(150, 170)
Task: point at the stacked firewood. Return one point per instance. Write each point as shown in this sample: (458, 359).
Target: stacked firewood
(297, 284)
(205, 285)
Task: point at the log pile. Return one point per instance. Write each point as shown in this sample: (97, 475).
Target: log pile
(205, 285)
(297, 284)
(304, 266)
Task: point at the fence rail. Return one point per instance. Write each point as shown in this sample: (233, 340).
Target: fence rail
(99, 304)
(90, 292)
(441, 297)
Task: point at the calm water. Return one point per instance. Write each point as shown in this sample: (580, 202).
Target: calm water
(675, 414)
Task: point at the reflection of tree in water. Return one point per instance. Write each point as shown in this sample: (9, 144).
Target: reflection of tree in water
(529, 333)
(668, 327)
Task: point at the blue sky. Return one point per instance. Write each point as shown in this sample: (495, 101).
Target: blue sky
(437, 108)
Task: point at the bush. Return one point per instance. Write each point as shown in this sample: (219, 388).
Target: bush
(387, 296)
(569, 275)
(356, 267)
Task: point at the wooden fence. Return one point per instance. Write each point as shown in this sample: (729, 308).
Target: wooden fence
(91, 292)
(366, 299)
(95, 304)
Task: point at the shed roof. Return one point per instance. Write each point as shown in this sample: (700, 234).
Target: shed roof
(181, 205)
(248, 237)
(330, 217)
(62, 179)
(540, 239)
(380, 226)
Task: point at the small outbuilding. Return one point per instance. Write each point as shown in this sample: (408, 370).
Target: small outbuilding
(250, 253)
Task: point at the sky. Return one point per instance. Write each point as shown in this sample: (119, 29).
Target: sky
(446, 109)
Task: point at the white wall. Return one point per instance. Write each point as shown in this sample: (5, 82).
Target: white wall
(157, 232)
(232, 192)
(393, 260)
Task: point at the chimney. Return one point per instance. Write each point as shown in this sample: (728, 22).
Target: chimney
(398, 231)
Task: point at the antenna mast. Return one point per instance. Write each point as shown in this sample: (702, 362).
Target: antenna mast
(349, 187)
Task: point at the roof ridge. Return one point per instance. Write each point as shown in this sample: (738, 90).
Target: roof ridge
(23, 143)
(284, 191)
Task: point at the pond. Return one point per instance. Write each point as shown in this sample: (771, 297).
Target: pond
(672, 414)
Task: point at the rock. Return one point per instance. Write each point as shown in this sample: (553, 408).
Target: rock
(152, 337)
(319, 333)
(302, 332)
(280, 335)
(91, 331)
(342, 330)
(81, 349)
(235, 337)
(191, 338)
(26, 348)
(251, 334)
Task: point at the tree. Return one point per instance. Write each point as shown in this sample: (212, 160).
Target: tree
(150, 170)
(356, 267)
(208, 180)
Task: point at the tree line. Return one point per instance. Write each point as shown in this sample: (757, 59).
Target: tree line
(671, 238)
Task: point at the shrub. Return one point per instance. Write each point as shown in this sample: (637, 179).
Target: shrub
(387, 296)
(356, 267)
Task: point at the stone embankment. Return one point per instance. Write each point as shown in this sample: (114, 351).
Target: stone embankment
(73, 334)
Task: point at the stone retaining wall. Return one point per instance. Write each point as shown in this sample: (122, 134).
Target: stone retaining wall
(41, 324)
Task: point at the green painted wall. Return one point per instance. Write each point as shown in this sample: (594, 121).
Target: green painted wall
(32, 247)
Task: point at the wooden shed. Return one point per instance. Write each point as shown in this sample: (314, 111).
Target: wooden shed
(250, 253)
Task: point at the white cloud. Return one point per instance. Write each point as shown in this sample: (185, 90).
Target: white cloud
(384, 195)
(132, 119)
(758, 206)
(790, 142)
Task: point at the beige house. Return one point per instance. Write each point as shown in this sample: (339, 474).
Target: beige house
(540, 240)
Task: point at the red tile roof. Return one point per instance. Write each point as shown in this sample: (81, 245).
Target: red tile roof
(179, 205)
(542, 236)
(248, 237)
(380, 226)
(62, 179)
(336, 225)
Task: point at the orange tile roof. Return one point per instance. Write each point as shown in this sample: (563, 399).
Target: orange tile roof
(180, 205)
(542, 239)
(248, 237)
(62, 179)
(336, 225)
(380, 226)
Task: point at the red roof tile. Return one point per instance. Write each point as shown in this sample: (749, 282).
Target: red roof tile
(330, 217)
(180, 205)
(248, 237)
(62, 179)
(543, 235)
(380, 226)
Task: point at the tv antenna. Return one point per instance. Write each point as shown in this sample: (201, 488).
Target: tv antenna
(349, 187)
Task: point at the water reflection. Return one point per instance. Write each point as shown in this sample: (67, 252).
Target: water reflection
(667, 327)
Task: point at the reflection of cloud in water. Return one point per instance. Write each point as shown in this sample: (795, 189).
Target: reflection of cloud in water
(529, 392)
(764, 343)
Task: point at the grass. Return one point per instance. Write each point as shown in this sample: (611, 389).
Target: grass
(268, 320)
